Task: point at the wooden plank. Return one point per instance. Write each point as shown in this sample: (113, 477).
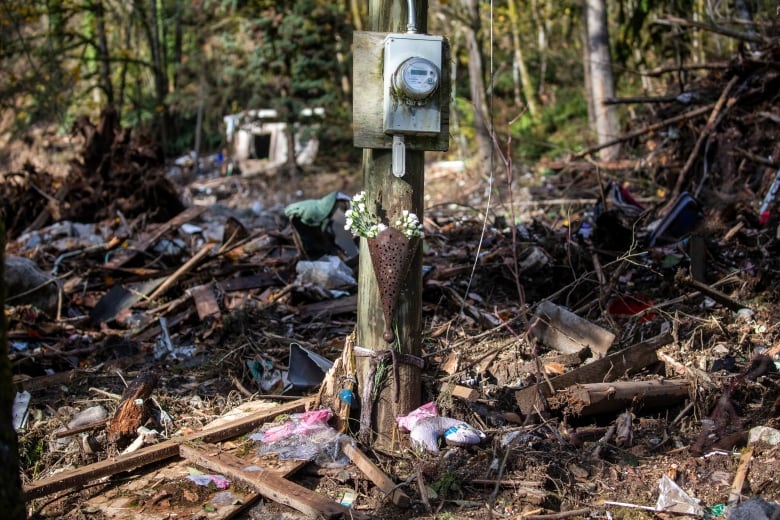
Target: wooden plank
(739, 477)
(132, 500)
(605, 369)
(375, 475)
(568, 333)
(33, 384)
(266, 483)
(249, 423)
(327, 308)
(156, 453)
(254, 281)
(205, 301)
(105, 468)
(465, 393)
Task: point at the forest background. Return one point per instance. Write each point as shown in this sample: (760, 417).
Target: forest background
(174, 68)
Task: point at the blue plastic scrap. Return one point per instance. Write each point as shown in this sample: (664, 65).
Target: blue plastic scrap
(683, 219)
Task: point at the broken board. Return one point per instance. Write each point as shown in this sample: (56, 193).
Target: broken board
(165, 491)
(610, 368)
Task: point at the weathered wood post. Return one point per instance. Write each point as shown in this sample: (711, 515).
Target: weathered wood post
(389, 384)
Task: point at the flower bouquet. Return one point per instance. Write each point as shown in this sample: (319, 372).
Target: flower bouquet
(391, 249)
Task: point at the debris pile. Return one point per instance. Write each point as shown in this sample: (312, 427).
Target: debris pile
(616, 353)
(119, 174)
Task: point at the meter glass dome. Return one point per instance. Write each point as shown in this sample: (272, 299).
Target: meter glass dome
(417, 78)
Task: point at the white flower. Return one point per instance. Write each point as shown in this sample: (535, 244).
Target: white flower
(362, 222)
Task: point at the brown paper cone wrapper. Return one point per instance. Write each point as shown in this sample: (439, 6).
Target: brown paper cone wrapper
(390, 253)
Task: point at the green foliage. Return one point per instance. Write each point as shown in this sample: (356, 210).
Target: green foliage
(223, 55)
(31, 453)
(64, 59)
(448, 484)
(560, 128)
(33, 37)
(267, 54)
(297, 53)
(465, 117)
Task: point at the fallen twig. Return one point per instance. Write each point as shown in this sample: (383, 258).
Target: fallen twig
(731, 33)
(557, 516)
(376, 475)
(739, 476)
(423, 491)
(85, 428)
(715, 294)
(646, 130)
(188, 266)
(708, 128)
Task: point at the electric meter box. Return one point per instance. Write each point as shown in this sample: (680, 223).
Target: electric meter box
(412, 80)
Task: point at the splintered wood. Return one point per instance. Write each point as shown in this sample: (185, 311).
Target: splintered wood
(133, 410)
(610, 368)
(596, 398)
(205, 301)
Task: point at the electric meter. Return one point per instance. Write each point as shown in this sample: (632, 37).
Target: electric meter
(411, 77)
(412, 74)
(416, 79)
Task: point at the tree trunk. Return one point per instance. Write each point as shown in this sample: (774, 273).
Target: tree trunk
(160, 74)
(389, 195)
(105, 63)
(128, 34)
(586, 69)
(697, 37)
(357, 14)
(601, 83)
(178, 40)
(745, 16)
(542, 19)
(202, 90)
(526, 83)
(454, 118)
(291, 124)
(346, 84)
(292, 163)
(11, 494)
(477, 88)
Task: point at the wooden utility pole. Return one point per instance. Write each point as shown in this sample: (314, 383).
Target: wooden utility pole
(398, 387)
